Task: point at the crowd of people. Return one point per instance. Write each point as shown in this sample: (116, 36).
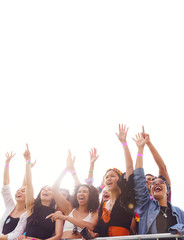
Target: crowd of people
(130, 202)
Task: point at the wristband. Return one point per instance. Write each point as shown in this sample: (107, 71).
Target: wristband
(101, 186)
(28, 161)
(90, 171)
(125, 143)
(89, 181)
(7, 165)
(139, 154)
(73, 173)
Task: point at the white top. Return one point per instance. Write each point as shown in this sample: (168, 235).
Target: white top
(68, 226)
(10, 205)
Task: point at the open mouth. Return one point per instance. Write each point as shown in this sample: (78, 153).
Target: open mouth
(157, 189)
(106, 197)
(45, 194)
(81, 198)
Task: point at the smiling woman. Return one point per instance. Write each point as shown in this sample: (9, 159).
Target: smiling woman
(157, 215)
(37, 210)
(14, 219)
(78, 214)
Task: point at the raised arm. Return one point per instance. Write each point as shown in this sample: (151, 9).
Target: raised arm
(122, 135)
(24, 180)
(6, 176)
(158, 159)
(141, 192)
(140, 142)
(29, 188)
(93, 158)
(71, 168)
(64, 205)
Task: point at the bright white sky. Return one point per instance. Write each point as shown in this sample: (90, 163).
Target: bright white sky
(71, 71)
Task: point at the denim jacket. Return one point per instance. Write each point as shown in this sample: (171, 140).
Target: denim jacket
(149, 209)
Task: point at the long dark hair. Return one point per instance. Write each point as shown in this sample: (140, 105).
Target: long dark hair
(93, 202)
(35, 209)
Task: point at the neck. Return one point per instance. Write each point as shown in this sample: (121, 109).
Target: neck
(20, 206)
(114, 195)
(83, 208)
(45, 203)
(162, 202)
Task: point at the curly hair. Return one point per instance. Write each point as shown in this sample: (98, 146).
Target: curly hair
(93, 202)
(35, 209)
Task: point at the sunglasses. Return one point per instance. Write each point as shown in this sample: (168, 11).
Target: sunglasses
(158, 181)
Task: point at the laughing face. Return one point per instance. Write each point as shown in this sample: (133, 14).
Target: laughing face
(83, 195)
(159, 189)
(111, 179)
(20, 195)
(149, 179)
(46, 194)
(105, 194)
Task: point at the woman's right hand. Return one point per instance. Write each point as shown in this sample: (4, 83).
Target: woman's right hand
(70, 162)
(9, 157)
(122, 135)
(27, 154)
(140, 141)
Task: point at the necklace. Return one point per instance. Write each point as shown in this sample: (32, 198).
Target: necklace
(164, 212)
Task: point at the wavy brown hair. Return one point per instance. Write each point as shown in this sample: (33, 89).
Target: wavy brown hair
(93, 202)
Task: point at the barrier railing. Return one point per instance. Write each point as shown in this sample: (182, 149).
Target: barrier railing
(146, 236)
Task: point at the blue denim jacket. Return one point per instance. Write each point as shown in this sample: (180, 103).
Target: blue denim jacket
(149, 209)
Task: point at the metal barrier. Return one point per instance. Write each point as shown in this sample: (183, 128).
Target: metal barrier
(146, 236)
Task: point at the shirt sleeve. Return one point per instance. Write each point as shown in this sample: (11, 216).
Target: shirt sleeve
(7, 196)
(141, 192)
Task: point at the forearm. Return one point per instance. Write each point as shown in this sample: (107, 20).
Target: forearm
(6, 177)
(76, 179)
(128, 161)
(58, 180)
(80, 223)
(159, 161)
(139, 160)
(91, 169)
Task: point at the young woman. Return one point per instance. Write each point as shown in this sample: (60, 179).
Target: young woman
(157, 215)
(37, 209)
(80, 213)
(13, 221)
(115, 215)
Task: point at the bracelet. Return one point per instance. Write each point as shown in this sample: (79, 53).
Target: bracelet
(90, 171)
(7, 165)
(89, 181)
(101, 186)
(73, 173)
(125, 143)
(139, 154)
(28, 161)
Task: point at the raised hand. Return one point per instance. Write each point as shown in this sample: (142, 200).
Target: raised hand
(27, 154)
(122, 133)
(9, 157)
(140, 141)
(70, 162)
(93, 155)
(145, 135)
